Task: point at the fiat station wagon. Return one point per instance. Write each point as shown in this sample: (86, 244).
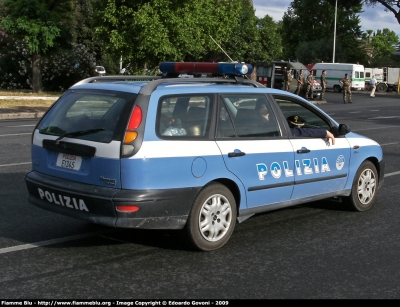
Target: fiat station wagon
(196, 154)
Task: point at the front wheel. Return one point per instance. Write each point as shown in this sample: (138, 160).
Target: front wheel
(212, 218)
(364, 188)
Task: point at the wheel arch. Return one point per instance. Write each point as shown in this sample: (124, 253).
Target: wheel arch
(233, 187)
(380, 167)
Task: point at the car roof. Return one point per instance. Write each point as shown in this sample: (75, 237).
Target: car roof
(126, 86)
(184, 87)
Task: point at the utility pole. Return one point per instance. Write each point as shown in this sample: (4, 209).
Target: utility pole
(334, 36)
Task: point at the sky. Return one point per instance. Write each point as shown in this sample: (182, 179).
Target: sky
(373, 18)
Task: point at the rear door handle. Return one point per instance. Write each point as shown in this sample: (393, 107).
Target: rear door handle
(236, 153)
(303, 150)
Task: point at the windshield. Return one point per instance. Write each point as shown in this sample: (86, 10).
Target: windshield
(99, 116)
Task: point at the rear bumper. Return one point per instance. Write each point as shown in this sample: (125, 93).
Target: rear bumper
(158, 209)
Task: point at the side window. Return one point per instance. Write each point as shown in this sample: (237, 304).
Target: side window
(184, 116)
(290, 107)
(357, 74)
(225, 125)
(251, 115)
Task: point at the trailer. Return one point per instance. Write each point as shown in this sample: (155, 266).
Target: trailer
(387, 78)
(391, 76)
(337, 71)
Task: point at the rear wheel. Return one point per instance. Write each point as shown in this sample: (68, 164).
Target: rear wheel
(364, 188)
(212, 218)
(337, 88)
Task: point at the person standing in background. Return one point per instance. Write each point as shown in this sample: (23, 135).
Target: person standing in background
(288, 79)
(323, 84)
(299, 88)
(310, 84)
(372, 83)
(346, 81)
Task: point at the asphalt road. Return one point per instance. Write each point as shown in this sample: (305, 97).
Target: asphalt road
(313, 251)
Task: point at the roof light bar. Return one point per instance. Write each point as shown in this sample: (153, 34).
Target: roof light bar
(206, 68)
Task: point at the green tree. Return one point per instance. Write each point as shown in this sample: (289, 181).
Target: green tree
(316, 51)
(146, 32)
(42, 25)
(384, 41)
(83, 27)
(378, 47)
(311, 21)
(270, 37)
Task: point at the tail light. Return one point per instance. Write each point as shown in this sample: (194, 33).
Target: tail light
(131, 134)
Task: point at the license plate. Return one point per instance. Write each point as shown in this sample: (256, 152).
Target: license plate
(69, 161)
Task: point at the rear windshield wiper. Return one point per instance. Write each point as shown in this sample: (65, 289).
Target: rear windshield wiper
(77, 133)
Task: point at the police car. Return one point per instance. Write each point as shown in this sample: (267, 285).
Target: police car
(192, 153)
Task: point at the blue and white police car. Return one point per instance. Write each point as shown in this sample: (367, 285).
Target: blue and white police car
(192, 153)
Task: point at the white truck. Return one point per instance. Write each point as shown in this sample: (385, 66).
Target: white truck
(387, 78)
(377, 72)
(337, 71)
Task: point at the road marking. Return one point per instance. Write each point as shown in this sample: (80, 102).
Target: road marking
(20, 126)
(15, 134)
(383, 117)
(392, 174)
(394, 143)
(14, 164)
(50, 242)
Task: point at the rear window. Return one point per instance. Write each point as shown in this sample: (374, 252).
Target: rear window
(99, 116)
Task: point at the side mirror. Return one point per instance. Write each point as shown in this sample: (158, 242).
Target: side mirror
(343, 129)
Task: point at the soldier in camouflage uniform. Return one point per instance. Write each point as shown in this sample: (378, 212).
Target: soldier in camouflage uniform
(288, 79)
(346, 81)
(310, 83)
(299, 79)
(323, 84)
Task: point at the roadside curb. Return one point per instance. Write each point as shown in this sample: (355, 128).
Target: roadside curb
(31, 97)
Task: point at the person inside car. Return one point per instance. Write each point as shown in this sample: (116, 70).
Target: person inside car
(296, 124)
(261, 107)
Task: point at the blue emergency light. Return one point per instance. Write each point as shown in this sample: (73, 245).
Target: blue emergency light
(191, 68)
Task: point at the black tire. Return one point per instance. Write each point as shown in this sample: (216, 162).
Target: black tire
(213, 209)
(381, 88)
(364, 188)
(337, 88)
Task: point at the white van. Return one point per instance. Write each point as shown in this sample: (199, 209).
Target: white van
(336, 71)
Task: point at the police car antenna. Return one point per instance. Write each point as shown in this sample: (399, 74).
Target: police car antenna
(223, 51)
(221, 48)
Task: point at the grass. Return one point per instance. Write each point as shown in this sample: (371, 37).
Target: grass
(31, 104)
(28, 93)
(14, 103)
